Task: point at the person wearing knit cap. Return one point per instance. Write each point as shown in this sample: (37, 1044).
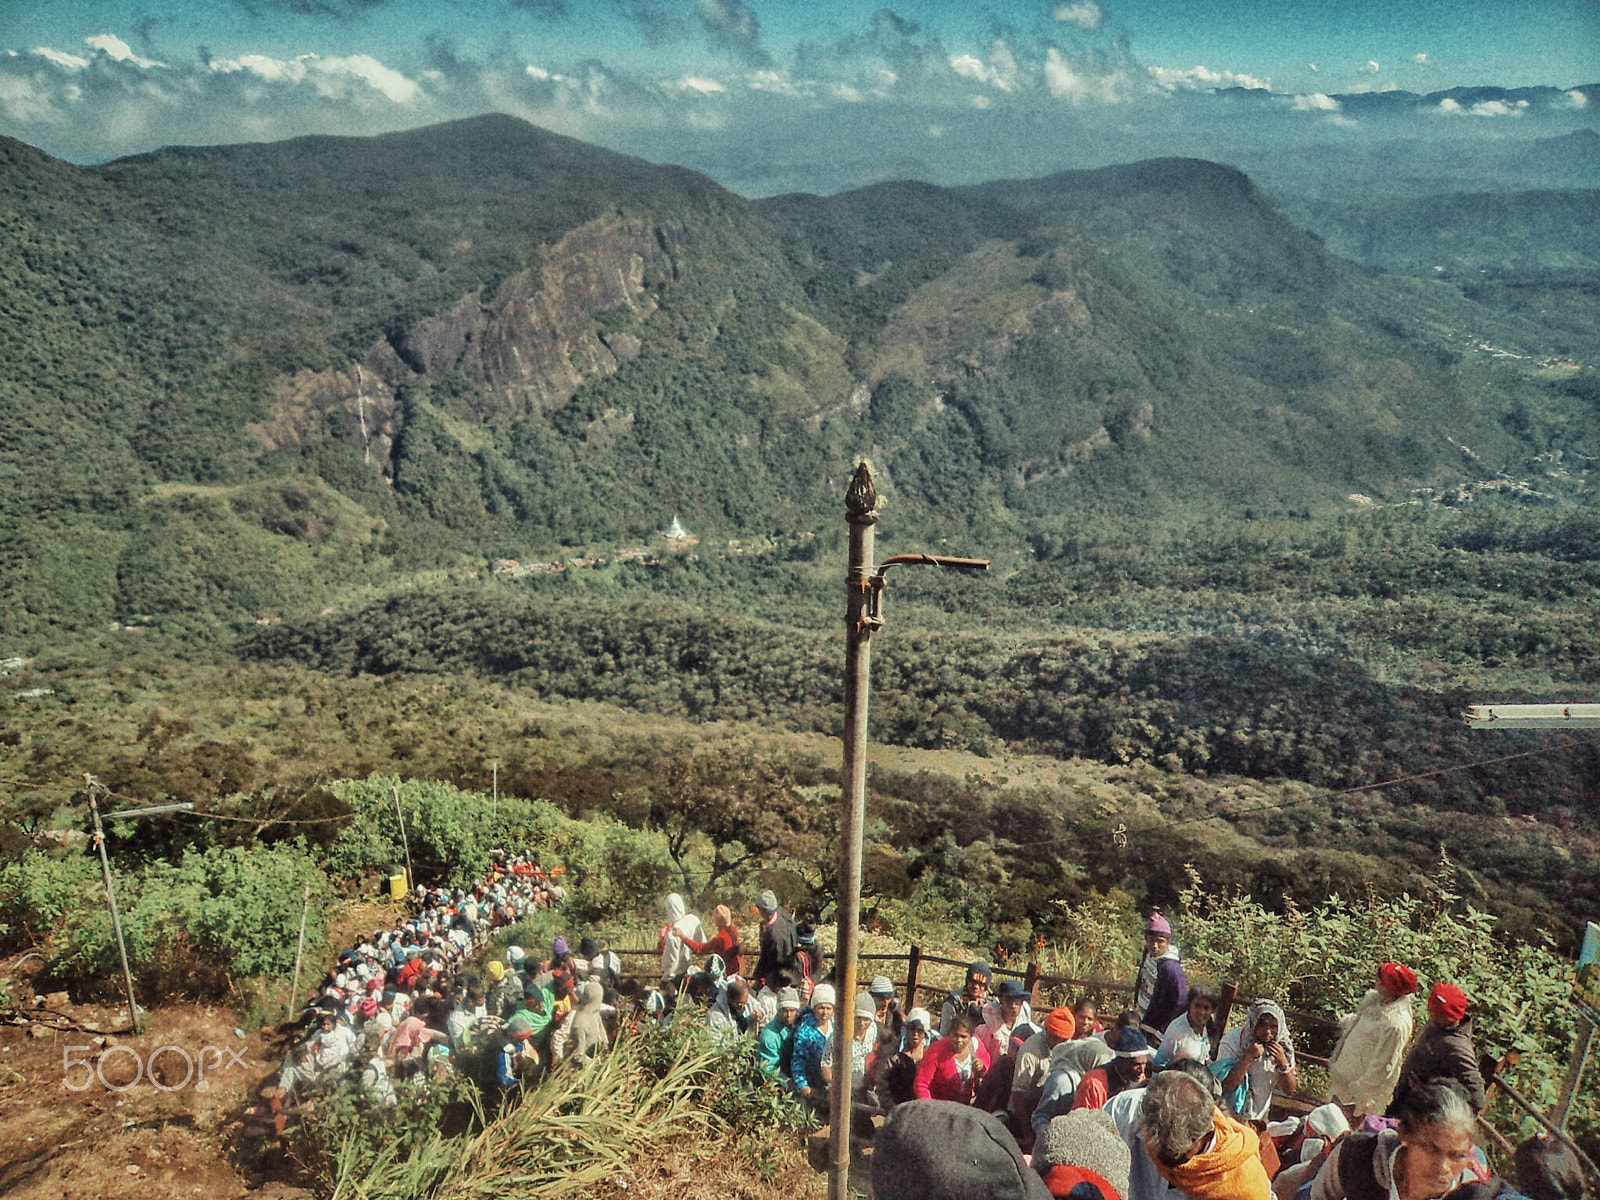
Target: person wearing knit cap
(724, 942)
(1131, 1055)
(775, 967)
(1033, 1066)
(941, 1150)
(1366, 1061)
(809, 1041)
(863, 1035)
(1083, 1156)
(775, 1045)
(1444, 1050)
(1161, 987)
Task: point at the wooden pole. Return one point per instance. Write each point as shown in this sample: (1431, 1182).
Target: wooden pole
(111, 895)
(1225, 1003)
(1569, 1089)
(299, 951)
(411, 879)
(494, 804)
(914, 978)
(861, 511)
(1030, 981)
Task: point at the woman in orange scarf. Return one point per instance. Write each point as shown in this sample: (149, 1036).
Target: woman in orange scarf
(1197, 1147)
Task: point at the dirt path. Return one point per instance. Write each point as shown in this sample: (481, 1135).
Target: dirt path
(74, 1124)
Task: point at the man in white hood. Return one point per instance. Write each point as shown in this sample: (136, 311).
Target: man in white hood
(676, 958)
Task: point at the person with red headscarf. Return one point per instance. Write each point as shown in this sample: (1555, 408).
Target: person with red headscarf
(1444, 1051)
(1365, 1066)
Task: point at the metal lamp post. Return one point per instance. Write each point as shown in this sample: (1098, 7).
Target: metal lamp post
(863, 617)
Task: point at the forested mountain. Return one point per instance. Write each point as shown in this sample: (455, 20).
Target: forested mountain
(239, 379)
(1258, 511)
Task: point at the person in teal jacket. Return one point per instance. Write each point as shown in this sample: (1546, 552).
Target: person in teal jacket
(775, 1046)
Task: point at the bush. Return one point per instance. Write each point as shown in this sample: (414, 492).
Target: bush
(190, 926)
(449, 832)
(1322, 960)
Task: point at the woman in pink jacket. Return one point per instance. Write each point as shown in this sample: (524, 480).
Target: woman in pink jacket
(954, 1065)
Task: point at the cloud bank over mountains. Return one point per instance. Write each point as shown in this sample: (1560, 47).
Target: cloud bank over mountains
(702, 84)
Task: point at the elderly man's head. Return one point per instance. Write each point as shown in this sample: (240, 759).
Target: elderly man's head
(1177, 1116)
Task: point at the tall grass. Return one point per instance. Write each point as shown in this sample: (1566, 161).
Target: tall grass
(579, 1127)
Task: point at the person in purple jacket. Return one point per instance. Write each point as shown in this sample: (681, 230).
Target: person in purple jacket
(1162, 988)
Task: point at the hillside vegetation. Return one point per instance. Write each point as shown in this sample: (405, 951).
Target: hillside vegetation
(342, 456)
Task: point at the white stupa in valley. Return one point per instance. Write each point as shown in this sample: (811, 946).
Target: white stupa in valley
(676, 532)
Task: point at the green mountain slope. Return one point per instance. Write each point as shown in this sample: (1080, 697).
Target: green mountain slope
(482, 340)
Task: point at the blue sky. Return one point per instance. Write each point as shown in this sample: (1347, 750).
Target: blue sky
(769, 94)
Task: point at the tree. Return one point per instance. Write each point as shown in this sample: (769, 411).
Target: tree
(747, 809)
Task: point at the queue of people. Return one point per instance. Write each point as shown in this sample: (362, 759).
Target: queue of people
(1160, 1105)
(986, 1100)
(405, 1008)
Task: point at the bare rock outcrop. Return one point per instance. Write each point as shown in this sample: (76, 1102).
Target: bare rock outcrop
(534, 340)
(533, 343)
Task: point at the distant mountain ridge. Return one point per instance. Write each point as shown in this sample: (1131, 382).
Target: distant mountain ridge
(482, 340)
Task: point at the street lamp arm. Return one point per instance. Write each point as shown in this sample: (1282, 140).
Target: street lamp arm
(932, 560)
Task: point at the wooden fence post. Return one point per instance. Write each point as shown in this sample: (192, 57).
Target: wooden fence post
(1030, 981)
(1230, 993)
(914, 978)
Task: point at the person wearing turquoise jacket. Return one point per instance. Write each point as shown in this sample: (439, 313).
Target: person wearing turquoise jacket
(775, 1045)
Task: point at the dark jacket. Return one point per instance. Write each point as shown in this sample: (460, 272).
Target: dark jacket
(1170, 998)
(1442, 1052)
(775, 967)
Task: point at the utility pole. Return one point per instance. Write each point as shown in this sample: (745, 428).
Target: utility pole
(411, 880)
(863, 617)
(94, 787)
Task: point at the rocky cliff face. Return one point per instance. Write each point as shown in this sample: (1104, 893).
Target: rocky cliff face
(533, 343)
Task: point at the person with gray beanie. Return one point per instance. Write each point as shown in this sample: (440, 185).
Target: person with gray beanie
(1082, 1152)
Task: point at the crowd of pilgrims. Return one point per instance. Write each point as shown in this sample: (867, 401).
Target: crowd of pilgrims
(1149, 1104)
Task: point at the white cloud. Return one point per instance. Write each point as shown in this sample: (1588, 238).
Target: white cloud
(771, 81)
(850, 95)
(1484, 108)
(1314, 67)
(20, 102)
(1085, 14)
(115, 48)
(699, 84)
(331, 77)
(1372, 67)
(1316, 102)
(1079, 86)
(61, 58)
(1578, 99)
(999, 72)
(981, 102)
(1420, 59)
(936, 131)
(1199, 78)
